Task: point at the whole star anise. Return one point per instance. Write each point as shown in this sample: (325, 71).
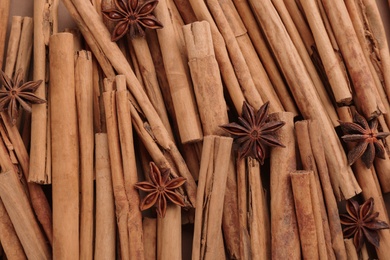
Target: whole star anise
(15, 93)
(254, 132)
(361, 223)
(366, 136)
(132, 16)
(160, 188)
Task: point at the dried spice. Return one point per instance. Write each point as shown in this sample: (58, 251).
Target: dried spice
(361, 223)
(254, 132)
(132, 16)
(366, 136)
(15, 93)
(160, 188)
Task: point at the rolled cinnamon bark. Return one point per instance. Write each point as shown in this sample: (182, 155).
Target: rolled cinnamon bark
(284, 228)
(4, 14)
(205, 77)
(149, 226)
(26, 226)
(25, 47)
(105, 209)
(300, 181)
(13, 44)
(84, 102)
(65, 148)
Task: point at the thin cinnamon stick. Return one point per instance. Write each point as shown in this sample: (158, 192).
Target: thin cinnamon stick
(149, 225)
(169, 234)
(83, 89)
(13, 44)
(18, 207)
(182, 97)
(205, 77)
(25, 46)
(300, 181)
(105, 208)
(4, 14)
(284, 227)
(306, 97)
(65, 152)
(134, 221)
(351, 249)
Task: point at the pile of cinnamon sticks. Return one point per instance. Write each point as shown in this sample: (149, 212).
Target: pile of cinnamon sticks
(161, 94)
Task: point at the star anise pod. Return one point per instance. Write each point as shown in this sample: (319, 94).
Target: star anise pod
(361, 223)
(160, 188)
(254, 132)
(366, 136)
(132, 16)
(15, 93)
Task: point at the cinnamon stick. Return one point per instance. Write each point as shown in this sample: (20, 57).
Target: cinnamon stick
(306, 97)
(18, 207)
(284, 227)
(4, 14)
(351, 249)
(205, 77)
(105, 208)
(179, 83)
(13, 44)
(65, 150)
(130, 177)
(300, 181)
(25, 47)
(149, 226)
(83, 90)
(169, 234)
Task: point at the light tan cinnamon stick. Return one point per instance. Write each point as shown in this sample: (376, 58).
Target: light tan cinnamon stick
(336, 74)
(4, 14)
(105, 209)
(181, 90)
(13, 44)
(25, 47)
(149, 226)
(265, 55)
(121, 202)
(134, 220)
(212, 184)
(351, 249)
(259, 222)
(169, 234)
(205, 77)
(84, 90)
(284, 227)
(18, 207)
(306, 97)
(300, 181)
(65, 150)
(363, 82)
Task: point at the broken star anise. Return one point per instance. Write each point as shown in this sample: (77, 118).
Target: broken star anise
(366, 136)
(15, 93)
(361, 223)
(132, 16)
(160, 188)
(254, 132)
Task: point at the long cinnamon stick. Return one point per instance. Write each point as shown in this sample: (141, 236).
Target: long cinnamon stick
(4, 14)
(25, 46)
(65, 152)
(18, 207)
(13, 44)
(105, 208)
(149, 226)
(284, 227)
(83, 89)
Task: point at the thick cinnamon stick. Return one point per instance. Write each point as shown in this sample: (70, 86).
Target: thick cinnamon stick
(105, 208)
(134, 221)
(65, 151)
(149, 226)
(284, 227)
(205, 77)
(4, 14)
(18, 207)
(169, 234)
(300, 181)
(83, 89)
(351, 249)
(306, 97)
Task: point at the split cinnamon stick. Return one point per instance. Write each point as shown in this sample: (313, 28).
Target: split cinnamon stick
(83, 90)
(306, 97)
(130, 177)
(300, 181)
(65, 150)
(4, 14)
(205, 77)
(105, 209)
(181, 90)
(363, 82)
(284, 227)
(18, 207)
